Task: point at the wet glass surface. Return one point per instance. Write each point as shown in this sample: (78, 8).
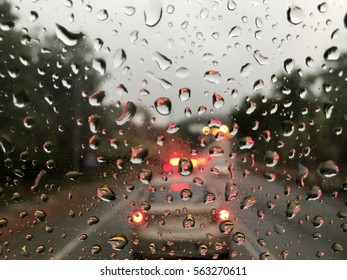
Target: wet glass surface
(173, 129)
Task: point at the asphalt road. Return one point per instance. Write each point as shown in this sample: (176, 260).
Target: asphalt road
(316, 232)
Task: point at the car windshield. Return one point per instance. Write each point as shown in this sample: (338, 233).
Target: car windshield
(128, 127)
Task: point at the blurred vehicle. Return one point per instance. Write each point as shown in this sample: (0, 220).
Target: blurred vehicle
(181, 217)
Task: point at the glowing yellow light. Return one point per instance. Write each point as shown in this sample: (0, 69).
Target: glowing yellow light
(224, 215)
(224, 129)
(137, 217)
(174, 161)
(206, 130)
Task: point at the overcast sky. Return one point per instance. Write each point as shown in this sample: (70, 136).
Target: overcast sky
(187, 35)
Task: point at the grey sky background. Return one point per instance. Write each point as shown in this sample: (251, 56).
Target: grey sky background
(278, 39)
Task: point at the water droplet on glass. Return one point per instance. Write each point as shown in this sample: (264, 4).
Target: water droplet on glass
(129, 10)
(102, 15)
(337, 247)
(328, 169)
(231, 5)
(289, 65)
(247, 202)
(3, 222)
(235, 32)
(21, 98)
(33, 16)
(163, 62)
(153, 12)
(189, 221)
(96, 98)
(138, 154)
(118, 241)
(226, 227)
(217, 101)
(260, 58)
(293, 208)
(119, 57)
(271, 158)
(186, 194)
(295, 15)
(216, 151)
(317, 221)
(212, 76)
(67, 37)
(185, 166)
(184, 94)
(105, 193)
(40, 215)
(246, 143)
(239, 238)
(93, 220)
(287, 128)
(128, 112)
(99, 65)
(314, 193)
(332, 54)
(172, 128)
(145, 176)
(95, 249)
(182, 72)
(163, 106)
(323, 7)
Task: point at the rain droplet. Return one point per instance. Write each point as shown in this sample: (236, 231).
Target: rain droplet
(328, 169)
(185, 166)
(95, 249)
(145, 176)
(102, 15)
(317, 221)
(314, 193)
(293, 208)
(106, 194)
(184, 94)
(288, 128)
(337, 247)
(189, 221)
(118, 241)
(247, 202)
(172, 128)
(295, 15)
(217, 100)
(235, 32)
(332, 54)
(40, 215)
(129, 10)
(153, 12)
(93, 220)
(216, 151)
(186, 194)
(21, 98)
(96, 98)
(128, 112)
(138, 154)
(261, 59)
(163, 62)
(289, 65)
(231, 5)
(323, 7)
(119, 57)
(239, 238)
(182, 72)
(226, 227)
(163, 106)
(67, 37)
(3, 222)
(271, 158)
(99, 65)
(246, 143)
(212, 76)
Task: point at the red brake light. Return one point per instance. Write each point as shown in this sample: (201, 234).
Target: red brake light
(137, 217)
(224, 215)
(177, 187)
